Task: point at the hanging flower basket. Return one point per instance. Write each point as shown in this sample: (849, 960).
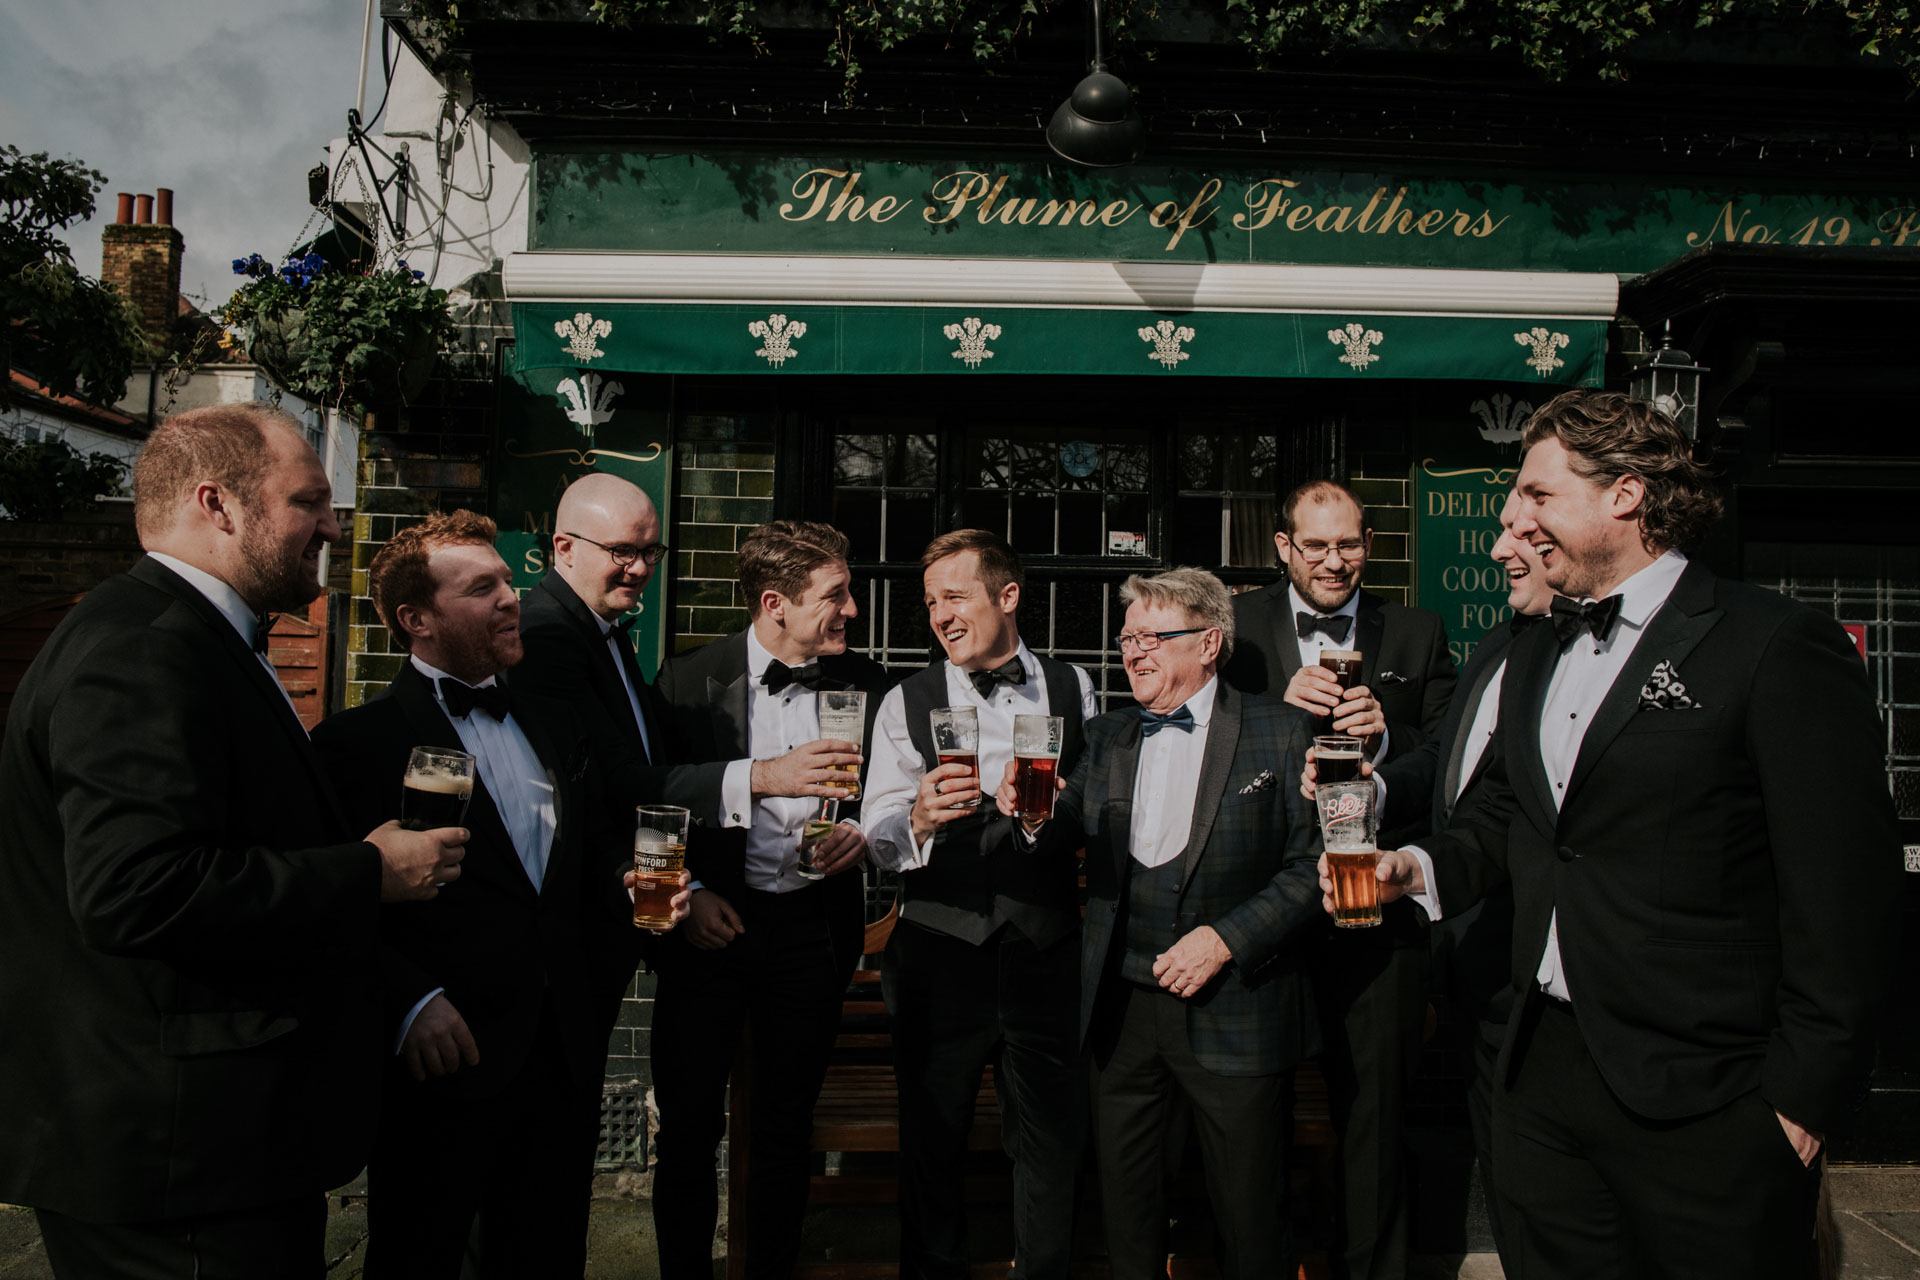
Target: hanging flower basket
(348, 339)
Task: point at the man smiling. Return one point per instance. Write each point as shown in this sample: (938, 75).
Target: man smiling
(1690, 799)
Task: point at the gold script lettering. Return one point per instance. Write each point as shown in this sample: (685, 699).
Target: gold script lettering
(815, 185)
(955, 190)
(1266, 205)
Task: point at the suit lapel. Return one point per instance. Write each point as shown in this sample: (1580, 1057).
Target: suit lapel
(1469, 707)
(1286, 636)
(1523, 699)
(553, 758)
(432, 728)
(732, 730)
(1216, 763)
(1123, 766)
(1671, 634)
(1369, 634)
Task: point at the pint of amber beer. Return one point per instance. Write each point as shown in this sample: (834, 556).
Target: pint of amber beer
(956, 739)
(1347, 821)
(1036, 763)
(659, 855)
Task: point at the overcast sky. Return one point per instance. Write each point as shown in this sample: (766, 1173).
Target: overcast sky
(229, 103)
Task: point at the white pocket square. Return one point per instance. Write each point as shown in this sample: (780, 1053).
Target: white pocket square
(1664, 690)
(1263, 782)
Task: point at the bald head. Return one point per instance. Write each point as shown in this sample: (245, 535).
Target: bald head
(598, 512)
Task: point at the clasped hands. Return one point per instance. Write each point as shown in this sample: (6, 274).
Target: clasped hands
(1356, 711)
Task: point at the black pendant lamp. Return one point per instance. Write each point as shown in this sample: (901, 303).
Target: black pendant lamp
(1098, 126)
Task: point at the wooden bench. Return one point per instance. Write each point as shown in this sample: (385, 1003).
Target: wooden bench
(859, 1112)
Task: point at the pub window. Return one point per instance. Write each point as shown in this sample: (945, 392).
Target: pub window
(1227, 506)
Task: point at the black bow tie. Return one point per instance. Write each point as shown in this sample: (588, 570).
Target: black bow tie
(779, 675)
(1521, 621)
(262, 625)
(1008, 672)
(1335, 626)
(461, 698)
(1596, 616)
(622, 628)
(1180, 718)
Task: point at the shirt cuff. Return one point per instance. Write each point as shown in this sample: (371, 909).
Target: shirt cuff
(1380, 752)
(1428, 901)
(736, 794)
(1379, 800)
(406, 1023)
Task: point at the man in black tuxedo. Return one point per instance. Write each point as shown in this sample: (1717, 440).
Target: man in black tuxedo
(1199, 864)
(1474, 948)
(765, 948)
(1689, 796)
(1370, 984)
(186, 923)
(984, 962)
(500, 994)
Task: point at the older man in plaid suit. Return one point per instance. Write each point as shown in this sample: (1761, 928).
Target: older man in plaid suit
(1200, 864)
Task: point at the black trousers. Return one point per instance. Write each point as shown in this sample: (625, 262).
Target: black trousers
(956, 1007)
(781, 981)
(1141, 1063)
(1473, 952)
(1371, 988)
(282, 1239)
(1591, 1190)
(521, 1160)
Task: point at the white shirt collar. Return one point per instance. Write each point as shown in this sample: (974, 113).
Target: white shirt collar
(1642, 594)
(1351, 609)
(434, 674)
(1028, 663)
(758, 658)
(218, 593)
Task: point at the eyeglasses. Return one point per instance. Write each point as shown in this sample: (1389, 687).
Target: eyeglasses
(1148, 641)
(626, 553)
(1315, 552)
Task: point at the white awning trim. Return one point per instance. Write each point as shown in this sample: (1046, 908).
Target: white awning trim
(1028, 282)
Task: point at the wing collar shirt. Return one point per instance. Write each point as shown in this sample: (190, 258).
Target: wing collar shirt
(232, 607)
(1581, 680)
(1165, 783)
(894, 773)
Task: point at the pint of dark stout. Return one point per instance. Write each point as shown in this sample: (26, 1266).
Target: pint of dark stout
(1345, 666)
(1336, 758)
(1036, 763)
(436, 789)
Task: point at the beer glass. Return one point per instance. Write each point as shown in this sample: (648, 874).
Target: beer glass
(1336, 758)
(1036, 762)
(436, 789)
(820, 824)
(1347, 821)
(843, 716)
(1345, 665)
(659, 855)
(956, 738)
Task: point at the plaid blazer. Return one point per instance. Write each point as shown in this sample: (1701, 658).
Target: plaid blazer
(1249, 870)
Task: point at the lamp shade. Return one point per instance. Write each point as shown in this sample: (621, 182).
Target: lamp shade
(1670, 381)
(1097, 126)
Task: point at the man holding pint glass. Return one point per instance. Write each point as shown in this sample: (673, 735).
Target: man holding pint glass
(502, 990)
(983, 965)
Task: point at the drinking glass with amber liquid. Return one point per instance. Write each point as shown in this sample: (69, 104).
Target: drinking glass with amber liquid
(659, 856)
(843, 717)
(1036, 763)
(820, 824)
(1348, 821)
(956, 740)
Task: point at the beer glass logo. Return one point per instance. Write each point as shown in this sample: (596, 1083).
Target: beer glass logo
(652, 852)
(1343, 809)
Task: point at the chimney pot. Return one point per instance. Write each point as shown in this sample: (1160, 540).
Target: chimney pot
(143, 209)
(163, 206)
(125, 213)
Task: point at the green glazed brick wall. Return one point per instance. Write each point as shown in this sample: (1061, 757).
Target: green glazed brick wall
(723, 487)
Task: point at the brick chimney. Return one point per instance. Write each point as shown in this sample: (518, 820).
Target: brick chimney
(141, 257)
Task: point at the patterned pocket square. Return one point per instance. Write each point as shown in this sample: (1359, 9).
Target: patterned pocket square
(1663, 690)
(1392, 677)
(1263, 782)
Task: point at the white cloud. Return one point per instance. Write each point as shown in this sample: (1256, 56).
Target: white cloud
(229, 105)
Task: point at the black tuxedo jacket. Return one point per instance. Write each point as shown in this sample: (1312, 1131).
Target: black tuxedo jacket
(1404, 662)
(186, 925)
(1249, 871)
(498, 945)
(568, 658)
(706, 692)
(1429, 773)
(1725, 874)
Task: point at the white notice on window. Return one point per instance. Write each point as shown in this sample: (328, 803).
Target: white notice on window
(1126, 544)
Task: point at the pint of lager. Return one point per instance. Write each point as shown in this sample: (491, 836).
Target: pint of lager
(1347, 821)
(436, 789)
(659, 855)
(1036, 763)
(843, 717)
(956, 738)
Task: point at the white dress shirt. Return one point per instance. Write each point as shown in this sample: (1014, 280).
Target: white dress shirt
(1165, 782)
(776, 724)
(1581, 681)
(894, 772)
(232, 607)
(1486, 718)
(1312, 646)
(614, 642)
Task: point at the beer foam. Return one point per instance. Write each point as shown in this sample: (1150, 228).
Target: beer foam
(434, 780)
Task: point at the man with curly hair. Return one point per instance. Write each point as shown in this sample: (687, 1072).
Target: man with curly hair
(1689, 796)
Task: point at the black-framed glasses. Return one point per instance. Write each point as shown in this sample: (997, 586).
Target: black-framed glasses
(1148, 641)
(624, 554)
(1315, 552)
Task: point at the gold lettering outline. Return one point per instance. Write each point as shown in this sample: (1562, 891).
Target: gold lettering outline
(590, 458)
(1489, 475)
